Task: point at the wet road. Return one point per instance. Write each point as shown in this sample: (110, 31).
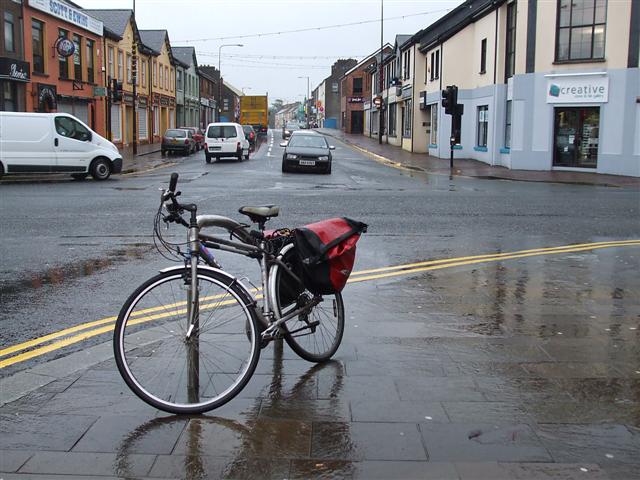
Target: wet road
(507, 367)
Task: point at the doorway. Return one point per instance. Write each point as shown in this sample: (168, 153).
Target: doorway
(357, 122)
(576, 133)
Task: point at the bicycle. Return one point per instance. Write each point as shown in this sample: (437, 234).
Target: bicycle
(188, 339)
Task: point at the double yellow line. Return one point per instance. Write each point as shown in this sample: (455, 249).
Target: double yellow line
(78, 333)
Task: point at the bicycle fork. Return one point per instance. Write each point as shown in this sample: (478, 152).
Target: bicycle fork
(193, 318)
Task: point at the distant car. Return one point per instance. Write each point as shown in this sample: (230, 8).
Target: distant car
(307, 150)
(225, 139)
(288, 129)
(178, 140)
(250, 134)
(198, 136)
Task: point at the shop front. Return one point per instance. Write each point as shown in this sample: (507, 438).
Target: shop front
(14, 75)
(164, 114)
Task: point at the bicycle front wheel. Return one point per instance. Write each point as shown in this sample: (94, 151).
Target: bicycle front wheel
(316, 334)
(182, 366)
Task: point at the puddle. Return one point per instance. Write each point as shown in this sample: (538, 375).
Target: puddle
(60, 275)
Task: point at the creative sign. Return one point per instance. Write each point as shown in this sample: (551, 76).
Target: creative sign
(11, 69)
(65, 47)
(578, 89)
(69, 14)
(356, 99)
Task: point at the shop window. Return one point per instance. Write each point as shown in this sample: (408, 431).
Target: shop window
(507, 125)
(77, 58)
(510, 56)
(90, 62)
(482, 125)
(432, 131)
(112, 73)
(580, 30)
(8, 100)
(408, 116)
(120, 66)
(392, 119)
(63, 62)
(9, 32)
(37, 39)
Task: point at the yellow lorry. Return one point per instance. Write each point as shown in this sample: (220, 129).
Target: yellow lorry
(254, 111)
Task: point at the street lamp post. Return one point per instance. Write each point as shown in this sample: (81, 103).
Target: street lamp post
(306, 103)
(220, 103)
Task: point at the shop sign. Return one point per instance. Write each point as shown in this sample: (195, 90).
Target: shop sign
(127, 98)
(65, 47)
(11, 69)
(578, 89)
(99, 91)
(377, 102)
(204, 101)
(407, 92)
(356, 99)
(69, 14)
(142, 102)
(212, 103)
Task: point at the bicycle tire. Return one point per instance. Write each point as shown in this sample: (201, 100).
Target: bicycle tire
(322, 342)
(152, 324)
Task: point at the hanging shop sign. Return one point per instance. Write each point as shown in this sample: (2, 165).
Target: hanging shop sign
(583, 88)
(64, 47)
(11, 69)
(69, 14)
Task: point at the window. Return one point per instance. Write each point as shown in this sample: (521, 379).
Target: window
(483, 56)
(357, 86)
(77, 58)
(120, 66)
(392, 119)
(375, 122)
(37, 39)
(166, 78)
(510, 56)
(90, 69)
(408, 115)
(129, 64)
(8, 101)
(112, 73)
(406, 67)
(179, 81)
(161, 76)
(507, 125)
(172, 79)
(63, 62)
(580, 30)
(483, 123)
(432, 124)
(70, 128)
(225, 104)
(144, 73)
(156, 120)
(435, 66)
(335, 88)
(155, 74)
(9, 32)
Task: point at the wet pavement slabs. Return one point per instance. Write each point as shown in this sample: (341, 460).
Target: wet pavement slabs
(512, 370)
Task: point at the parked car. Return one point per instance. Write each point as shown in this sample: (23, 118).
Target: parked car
(198, 136)
(288, 129)
(54, 143)
(178, 140)
(225, 139)
(307, 150)
(250, 134)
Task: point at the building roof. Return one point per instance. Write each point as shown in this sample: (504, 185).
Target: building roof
(232, 88)
(454, 21)
(367, 59)
(115, 21)
(402, 39)
(186, 55)
(154, 39)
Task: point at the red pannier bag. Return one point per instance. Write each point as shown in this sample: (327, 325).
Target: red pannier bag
(327, 252)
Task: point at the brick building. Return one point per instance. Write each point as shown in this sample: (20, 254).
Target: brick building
(61, 42)
(15, 73)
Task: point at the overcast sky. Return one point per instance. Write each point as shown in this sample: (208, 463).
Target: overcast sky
(253, 67)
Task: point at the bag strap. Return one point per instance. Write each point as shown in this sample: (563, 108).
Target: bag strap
(333, 243)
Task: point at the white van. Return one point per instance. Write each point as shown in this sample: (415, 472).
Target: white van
(54, 143)
(225, 139)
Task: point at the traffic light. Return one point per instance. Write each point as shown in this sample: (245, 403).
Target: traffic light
(450, 99)
(116, 90)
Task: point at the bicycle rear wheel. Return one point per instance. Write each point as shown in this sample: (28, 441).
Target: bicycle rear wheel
(176, 370)
(316, 334)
